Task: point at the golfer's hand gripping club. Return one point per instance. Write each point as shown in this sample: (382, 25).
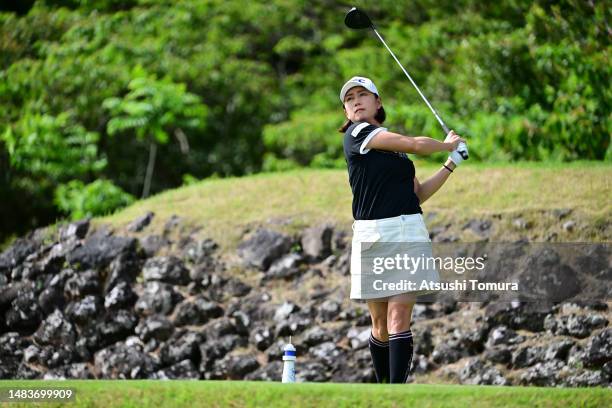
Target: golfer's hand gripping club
(460, 153)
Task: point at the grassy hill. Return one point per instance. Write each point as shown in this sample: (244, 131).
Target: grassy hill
(223, 208)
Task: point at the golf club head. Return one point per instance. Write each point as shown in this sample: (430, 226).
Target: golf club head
(357, 19)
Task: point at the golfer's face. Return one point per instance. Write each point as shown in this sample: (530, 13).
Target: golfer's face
(360, 104)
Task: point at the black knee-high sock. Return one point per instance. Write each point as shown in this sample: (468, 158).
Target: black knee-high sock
(400, 355)
(380, 357)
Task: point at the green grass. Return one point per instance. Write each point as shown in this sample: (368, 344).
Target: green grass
(298, 198)
(99, 393)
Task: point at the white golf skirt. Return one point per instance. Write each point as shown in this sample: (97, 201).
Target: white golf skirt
(401, 230)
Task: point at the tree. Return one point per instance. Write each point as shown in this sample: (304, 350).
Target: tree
(153, 109)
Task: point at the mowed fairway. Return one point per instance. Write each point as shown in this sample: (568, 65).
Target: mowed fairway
(104, 393)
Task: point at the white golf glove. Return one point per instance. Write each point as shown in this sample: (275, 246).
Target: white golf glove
(456, 155)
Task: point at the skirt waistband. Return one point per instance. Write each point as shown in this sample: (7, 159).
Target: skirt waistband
(387, 222)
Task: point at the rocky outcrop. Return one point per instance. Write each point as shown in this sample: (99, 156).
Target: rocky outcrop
(101, 304)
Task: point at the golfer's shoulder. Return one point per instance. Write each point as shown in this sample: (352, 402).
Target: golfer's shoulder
(359, 130)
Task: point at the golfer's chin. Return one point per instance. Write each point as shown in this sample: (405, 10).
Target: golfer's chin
(361, 116)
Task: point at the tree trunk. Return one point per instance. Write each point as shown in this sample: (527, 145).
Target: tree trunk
(150, 167)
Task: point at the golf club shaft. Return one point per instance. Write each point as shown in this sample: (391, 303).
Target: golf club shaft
(444, 127)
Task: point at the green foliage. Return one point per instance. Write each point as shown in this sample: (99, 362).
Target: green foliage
(48, 149)
(253, 86)
(100, 197)
(153, 108)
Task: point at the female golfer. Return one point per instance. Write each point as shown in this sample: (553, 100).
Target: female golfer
(386, 209)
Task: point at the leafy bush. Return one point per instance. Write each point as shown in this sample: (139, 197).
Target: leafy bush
(87, 200)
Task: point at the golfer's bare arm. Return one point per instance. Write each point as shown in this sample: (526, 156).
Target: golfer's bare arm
(427, 188)
(396, 142)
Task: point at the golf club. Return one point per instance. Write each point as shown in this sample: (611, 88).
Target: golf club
(358, 20)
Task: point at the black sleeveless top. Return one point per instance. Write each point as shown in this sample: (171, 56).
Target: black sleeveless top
(382, 181)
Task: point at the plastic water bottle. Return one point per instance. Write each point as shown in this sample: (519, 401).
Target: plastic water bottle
(289, 363)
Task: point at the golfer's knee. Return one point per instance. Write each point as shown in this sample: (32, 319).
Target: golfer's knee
(398, 320)
(379, 329)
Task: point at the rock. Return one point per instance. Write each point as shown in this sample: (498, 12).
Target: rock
(497, 354)
(342, 267)
(78, 371)
(56, 356)
(226, 325)
(215, 349)
(173, 222)
(115, 326)
(476, 372)
(283, 311)
(183, 345)
(421, 365)
(197, 311)
(124, 360)
(542, 374)
(359, 337)
(121, 296)
(503, 335)
(55, 331)
(270, 372)
(295, 324)
(423, 342)
(587, 378)
(263, 248)
(124, 268)
(569, 225)
(157, 297)
(329, 310)
(52, 296)
(316, 242)
(11, 353)
(579, 326)
(183, 370)
(517, 315)
(327, 353)
(527, 356)
(480, 227)
(99, 250)
(558, 350)
(445, 354)
(315, 335)
(85, 310)
(545, 278)
(141, 222)
(16, 253)
(154, 327)
(167, 269)
(520, 223)
(598, 350)
(75, 230)
(357, 315)
(339, 240)
(234, 367)
(151, 244)
(312, 372)
(200, 251)
(81, 284)
(261, 337)
(24, 314)
(561, 213)
(235, 288)
(285, 267)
